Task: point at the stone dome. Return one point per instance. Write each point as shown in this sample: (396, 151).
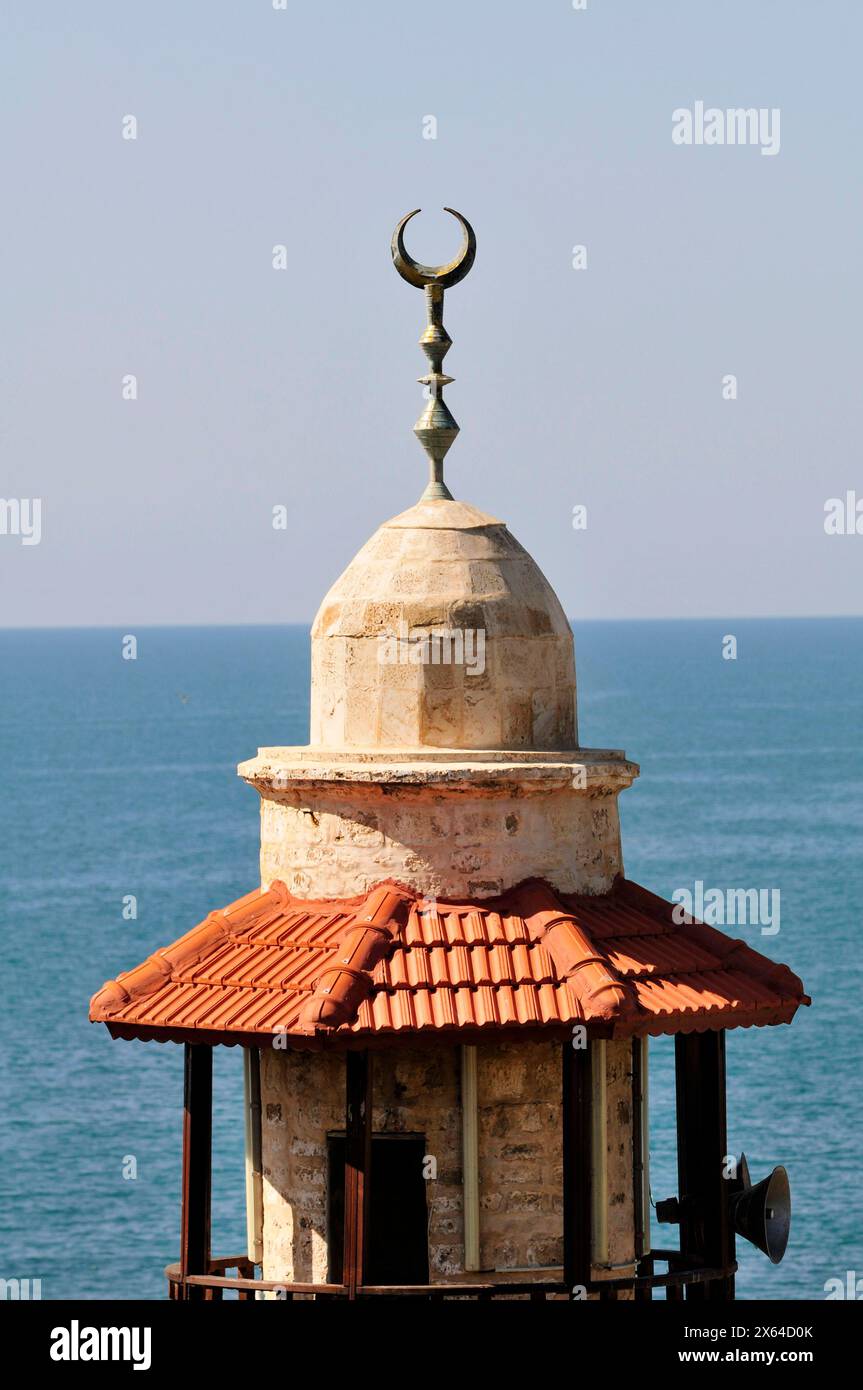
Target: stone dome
(443, 633)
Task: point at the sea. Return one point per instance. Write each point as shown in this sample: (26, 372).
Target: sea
(123, 823)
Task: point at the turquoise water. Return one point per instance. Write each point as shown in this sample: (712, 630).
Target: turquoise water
(118, 778)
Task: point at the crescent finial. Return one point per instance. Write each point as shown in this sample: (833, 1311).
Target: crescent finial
(436, 428)
(443, 275)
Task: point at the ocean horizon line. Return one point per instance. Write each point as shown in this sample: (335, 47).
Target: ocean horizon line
(276, 626)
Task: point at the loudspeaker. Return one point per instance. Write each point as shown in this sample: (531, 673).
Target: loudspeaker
(761, 1213)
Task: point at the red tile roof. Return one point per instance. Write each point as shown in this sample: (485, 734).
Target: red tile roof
(394, 964)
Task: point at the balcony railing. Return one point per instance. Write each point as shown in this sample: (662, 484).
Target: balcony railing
(681, 1272)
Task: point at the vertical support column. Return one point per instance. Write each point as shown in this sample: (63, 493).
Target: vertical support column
(577, 1218)
(358, 1156)
(599, 1152)
(470, 1157)
(640, 1158)
(702, 1143)
(254, 1164)
(197, 1164)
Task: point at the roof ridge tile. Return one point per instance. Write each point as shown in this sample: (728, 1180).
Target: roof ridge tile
(343, 986)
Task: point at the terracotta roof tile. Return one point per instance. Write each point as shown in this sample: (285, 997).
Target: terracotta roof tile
(392, 964)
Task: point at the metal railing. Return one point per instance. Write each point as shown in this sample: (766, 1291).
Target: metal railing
(682, 1271)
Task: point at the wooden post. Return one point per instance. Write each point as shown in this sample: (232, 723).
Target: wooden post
(197, 1164)
(358, 1156)
(702, 1144)
(470, 1158)
(577, 1090)
(639, 1088)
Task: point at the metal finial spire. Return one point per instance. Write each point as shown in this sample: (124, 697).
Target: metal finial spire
(435, 429)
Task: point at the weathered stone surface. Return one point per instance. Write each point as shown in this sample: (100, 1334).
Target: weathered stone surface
(339, 840)
(443, 567)
(418, 1091)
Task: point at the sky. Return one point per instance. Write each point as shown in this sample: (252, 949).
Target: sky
(603, 387)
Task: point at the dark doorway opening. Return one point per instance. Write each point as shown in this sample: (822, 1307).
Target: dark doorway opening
(397, 1232)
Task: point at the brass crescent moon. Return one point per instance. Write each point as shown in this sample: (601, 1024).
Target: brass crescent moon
(443, 275)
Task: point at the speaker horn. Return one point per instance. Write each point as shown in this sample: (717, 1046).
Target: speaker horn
(761, 1212)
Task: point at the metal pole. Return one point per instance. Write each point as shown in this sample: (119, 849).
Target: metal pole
(197, 1164)
(705, 1225)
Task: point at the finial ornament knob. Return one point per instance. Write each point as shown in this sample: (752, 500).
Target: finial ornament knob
(436, 428)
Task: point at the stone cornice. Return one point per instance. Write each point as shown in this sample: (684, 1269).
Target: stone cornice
(588, 771)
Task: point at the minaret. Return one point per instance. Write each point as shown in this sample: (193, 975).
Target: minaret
(445, 985)
(443, 756)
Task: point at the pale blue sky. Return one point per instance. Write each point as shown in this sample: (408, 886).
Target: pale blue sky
(259, 387)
